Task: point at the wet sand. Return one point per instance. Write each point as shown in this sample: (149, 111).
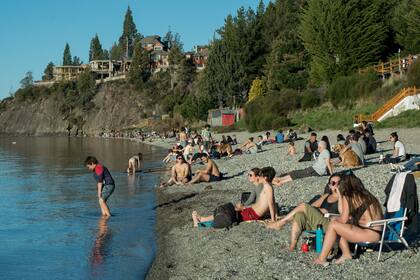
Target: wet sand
(249, 250)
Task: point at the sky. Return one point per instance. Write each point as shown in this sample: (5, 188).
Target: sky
(34, 32)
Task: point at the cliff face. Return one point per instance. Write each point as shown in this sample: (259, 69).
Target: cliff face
(115, 108)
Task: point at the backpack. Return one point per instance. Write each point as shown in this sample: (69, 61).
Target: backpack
(224, 216)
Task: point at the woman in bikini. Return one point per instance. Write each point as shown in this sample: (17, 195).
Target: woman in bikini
(363, 208)
(308, 216)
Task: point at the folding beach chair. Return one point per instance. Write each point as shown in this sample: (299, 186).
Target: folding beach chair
(392, 232)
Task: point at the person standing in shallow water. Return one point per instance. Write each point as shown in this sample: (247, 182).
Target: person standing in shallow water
(105, 183)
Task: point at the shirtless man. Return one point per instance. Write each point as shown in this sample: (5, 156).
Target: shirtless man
(210, 174)
(183, 137)
(265, 202)
(249, 146)
(135, 163)
(180, 173)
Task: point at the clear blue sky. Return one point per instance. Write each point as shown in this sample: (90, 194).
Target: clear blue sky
(34, 32)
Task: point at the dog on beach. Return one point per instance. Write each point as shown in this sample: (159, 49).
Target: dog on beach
(225, 149)
(348, 157)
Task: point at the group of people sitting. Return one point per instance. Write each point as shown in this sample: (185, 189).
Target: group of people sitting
(345, 195)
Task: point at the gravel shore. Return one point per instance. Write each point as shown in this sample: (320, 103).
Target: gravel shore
(249, 250)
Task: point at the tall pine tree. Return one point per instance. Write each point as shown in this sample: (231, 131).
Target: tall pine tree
(342, 36)
(140, 66)
(129, 35)
(95, 51)
(67, 60)
(48, 72)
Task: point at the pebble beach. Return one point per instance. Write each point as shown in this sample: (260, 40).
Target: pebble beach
(249, 250)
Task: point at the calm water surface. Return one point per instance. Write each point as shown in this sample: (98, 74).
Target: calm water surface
(50, 224)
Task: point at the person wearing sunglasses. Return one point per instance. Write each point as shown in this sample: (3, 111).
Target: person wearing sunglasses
(399, 153)
(308, 216)
(250, 197)
(180, 172)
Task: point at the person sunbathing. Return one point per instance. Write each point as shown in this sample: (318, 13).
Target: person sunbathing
(210, 174)
(363, 208)
(180, 173)
(321, 167)
(291, 150)
(249, 146)
(170, 156)
(253, 177)
(308, 216)
(264, 204)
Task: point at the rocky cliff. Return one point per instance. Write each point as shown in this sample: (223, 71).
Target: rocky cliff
(115, 106)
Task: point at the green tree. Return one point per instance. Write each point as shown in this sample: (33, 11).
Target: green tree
(27, 81)
(86, 88)
(342, 36)
(129, 35)
(76, 61)
(67, 56)
(116, 52)
(105, 54)
(48, 72)
(257, 89)
(140, 66)
(406, 22)
(413, 76)
(95, 51)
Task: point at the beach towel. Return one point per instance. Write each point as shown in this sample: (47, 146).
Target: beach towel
(394, 200)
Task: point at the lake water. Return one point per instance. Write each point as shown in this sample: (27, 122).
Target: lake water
(50, 222)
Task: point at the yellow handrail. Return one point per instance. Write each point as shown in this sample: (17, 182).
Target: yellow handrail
(388, 105)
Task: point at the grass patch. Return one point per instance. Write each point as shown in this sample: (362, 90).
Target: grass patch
(407, 119)
(328, 117)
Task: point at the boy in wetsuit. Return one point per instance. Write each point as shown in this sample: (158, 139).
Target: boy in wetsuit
(105, 182)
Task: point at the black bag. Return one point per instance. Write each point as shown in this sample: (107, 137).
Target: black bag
(224, 216)
(245, 196)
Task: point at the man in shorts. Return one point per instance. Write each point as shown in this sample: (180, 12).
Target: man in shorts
(321, 167)
(207, 138)
(210, 174)
(105, 183)
(180, 173)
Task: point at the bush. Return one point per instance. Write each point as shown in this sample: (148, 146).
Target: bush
(270, 111)
(346, 90)
(413, 76)
(310, 99)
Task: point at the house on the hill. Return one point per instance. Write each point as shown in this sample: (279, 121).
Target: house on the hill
(159, 56)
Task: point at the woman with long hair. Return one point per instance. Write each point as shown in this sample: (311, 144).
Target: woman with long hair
(308, 216)
(363, 208)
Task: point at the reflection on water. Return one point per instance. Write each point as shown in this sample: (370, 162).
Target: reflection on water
(103, 238)
(50, 224)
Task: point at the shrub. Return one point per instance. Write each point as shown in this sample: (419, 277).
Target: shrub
(344, 91)
(310, 99)
(413, 76)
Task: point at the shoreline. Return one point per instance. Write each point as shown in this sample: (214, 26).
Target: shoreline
(249, 251)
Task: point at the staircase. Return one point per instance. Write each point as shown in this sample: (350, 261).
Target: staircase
(387, 107)
(393, 66)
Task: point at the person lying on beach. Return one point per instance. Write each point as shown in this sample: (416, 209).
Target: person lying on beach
(249, 146)
(321, 167)
(253, 177)
(291, 150)
(363, 208)
(311, 146)
(210, 174)
(104, 182)
(309, 216)
(264, 204)
(135, 163)
(180, 173)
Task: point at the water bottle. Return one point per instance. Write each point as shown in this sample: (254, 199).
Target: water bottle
(319, 236)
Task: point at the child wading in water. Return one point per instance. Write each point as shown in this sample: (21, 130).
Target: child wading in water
(105, 183)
